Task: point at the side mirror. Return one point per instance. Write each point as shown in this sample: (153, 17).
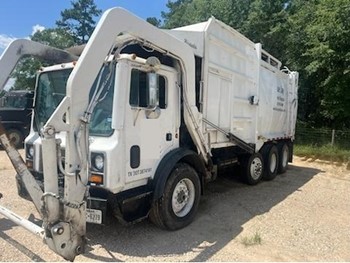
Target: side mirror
(153, 90)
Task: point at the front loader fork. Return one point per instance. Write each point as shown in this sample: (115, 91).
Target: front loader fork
(64, 220)
(64, 223)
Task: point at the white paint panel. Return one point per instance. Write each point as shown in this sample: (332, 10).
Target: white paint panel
(233, 73)
(150, 139)
(273, 115)
(213, 98)
(229, 55)
(224, 106)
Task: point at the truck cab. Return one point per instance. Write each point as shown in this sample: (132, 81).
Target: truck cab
(134, 124)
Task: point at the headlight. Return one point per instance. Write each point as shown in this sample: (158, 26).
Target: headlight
(98, 162)
(30, 151)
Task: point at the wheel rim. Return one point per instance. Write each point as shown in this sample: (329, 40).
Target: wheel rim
(15, 138)
(183, 197)
(273, 162)
(256, 168)
(285, 156)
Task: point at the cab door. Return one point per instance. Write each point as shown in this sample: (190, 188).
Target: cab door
(150, 131)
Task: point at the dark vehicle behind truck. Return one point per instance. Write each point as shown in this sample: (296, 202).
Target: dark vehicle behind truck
(15, 114)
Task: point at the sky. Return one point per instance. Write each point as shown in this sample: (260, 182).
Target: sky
(21, 18)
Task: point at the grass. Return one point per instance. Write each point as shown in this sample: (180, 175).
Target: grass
(325, 152)
(252, 240)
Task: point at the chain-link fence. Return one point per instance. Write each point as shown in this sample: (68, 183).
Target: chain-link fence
(319, 137)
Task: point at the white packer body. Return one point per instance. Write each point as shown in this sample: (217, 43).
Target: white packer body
(243, 90)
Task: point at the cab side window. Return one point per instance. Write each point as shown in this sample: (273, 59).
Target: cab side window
(139, 90)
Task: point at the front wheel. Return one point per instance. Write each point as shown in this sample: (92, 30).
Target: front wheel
(179, 203)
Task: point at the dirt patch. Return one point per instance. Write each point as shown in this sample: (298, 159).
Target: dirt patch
(302, 215)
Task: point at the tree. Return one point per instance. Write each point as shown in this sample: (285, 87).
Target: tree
(184, 12)
(79, 20)
(310, 36)
(74, 28)
(154, 21)
(25, 73)
(174, 17)
(54, 37)
(27, 68)
(267, 23)
(319, 49)
(262, 21)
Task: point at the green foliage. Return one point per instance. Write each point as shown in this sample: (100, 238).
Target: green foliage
(75, 27)
(175, 16)
(309, 36)
(154, 21)
(25, 73)
(316, 143)
(318, 48)
(325, 152)
(54, 37)
(185, 12)
(252, 240)
(266, 24)
(261, 21)
(79, 20)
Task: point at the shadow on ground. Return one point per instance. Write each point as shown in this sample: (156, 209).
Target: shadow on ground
(226, 206)
(6, 224)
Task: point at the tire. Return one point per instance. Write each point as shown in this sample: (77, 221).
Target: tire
(179, 204)
(16, 137)
(283, 151)
(252, 167)
(271, 162)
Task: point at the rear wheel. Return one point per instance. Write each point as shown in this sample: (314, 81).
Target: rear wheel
(179, 203)
(283, 150)
(271, 160)
(252, 168)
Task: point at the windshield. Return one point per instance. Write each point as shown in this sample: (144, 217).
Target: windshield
(51, 90)
(101, 117)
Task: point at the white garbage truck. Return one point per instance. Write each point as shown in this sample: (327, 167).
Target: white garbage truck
(140, 119)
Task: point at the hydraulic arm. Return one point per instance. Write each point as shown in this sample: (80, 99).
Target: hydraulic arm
(47, 202)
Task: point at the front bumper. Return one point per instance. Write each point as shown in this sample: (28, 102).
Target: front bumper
(96, 205)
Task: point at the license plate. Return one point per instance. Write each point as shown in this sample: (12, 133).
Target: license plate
(93, 216)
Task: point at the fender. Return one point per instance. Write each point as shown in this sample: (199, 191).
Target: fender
(20, 126)
(168, 163)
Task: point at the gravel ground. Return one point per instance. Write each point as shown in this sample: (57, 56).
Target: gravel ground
(302, 215)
